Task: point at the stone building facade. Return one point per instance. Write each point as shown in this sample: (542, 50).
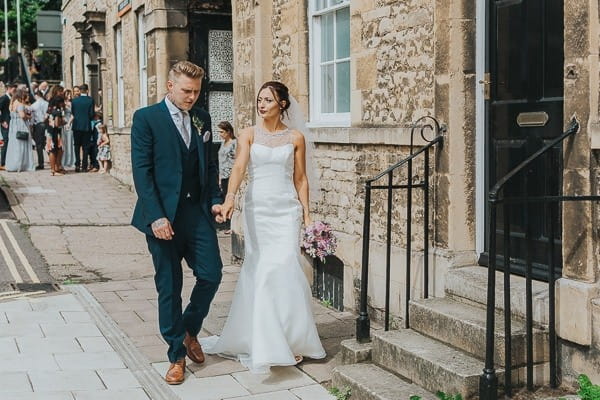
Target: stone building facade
(125, 48)
(426, 57)
(393, 62)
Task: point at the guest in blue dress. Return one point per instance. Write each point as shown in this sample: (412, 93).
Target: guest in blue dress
(19, 154)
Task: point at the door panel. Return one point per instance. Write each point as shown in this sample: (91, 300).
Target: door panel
(525, 64)
(211, 46)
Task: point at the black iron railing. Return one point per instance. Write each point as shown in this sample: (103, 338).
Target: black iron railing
(488, 384)
(426, 126)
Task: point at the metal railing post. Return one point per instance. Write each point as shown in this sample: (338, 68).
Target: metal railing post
(363, 325)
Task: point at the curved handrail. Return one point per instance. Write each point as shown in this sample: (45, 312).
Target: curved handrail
(435, 127)
(572, 128)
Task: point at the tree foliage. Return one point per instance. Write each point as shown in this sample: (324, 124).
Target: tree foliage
(29, 11)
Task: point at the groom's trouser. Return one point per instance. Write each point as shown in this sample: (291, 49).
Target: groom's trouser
(195, 240)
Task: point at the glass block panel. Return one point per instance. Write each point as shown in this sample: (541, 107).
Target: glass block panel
(220, 106)
(220, 55)
(327, 37)
(327, 89)
(342, 78)
(342, 33)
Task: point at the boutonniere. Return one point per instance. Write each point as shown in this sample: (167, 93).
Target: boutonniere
(198, 123)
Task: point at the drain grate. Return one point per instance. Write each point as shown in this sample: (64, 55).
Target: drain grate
(37, 287)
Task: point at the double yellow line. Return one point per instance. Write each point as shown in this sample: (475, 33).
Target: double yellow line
(12, 267)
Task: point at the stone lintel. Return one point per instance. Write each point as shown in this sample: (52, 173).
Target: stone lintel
(574, 310)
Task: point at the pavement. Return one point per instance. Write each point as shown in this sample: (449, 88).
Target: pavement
(96, 336)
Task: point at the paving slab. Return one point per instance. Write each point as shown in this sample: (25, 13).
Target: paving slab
(42, 396)
(280, 395)
(49, 381)
(312, 392)
(94, 344)
(56, 345)
(13, 382)
(280, 378)
(129, 394)
(121, 378)
(89, 361)
(70, 330)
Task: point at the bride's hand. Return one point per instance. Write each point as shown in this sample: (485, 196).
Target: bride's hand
(216, 212)
(227, 209)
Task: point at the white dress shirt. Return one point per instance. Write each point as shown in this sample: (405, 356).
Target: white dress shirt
(179, 119)
(39, 107)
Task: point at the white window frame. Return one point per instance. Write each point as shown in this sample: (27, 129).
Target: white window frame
(120, 83)
(317, 118)
(142, 58)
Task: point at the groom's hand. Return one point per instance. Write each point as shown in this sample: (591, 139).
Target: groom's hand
(162, 229)
(216, 212)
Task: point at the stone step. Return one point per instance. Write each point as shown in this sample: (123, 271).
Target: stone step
(427, 362)
(370, 382)
(463, 326)
(469, 284)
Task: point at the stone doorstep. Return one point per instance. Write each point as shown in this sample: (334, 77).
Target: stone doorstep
(463, 326)
(469, 284)
(435, 366)
(370, 382)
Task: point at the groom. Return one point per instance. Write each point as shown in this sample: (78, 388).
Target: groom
(177, 187)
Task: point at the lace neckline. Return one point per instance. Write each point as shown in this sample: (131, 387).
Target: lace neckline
(275, 139)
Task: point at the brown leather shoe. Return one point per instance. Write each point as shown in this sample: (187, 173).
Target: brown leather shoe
(176, 373)
(194, 350)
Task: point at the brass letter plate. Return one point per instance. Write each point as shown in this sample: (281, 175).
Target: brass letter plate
(537, 118)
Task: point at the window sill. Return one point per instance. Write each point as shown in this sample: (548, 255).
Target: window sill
(397, 136)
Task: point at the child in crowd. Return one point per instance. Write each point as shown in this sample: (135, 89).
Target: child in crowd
(104, 148)
(93, 144)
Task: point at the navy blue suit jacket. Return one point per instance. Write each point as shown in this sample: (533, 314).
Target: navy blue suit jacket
(156, 163)
(82, 108)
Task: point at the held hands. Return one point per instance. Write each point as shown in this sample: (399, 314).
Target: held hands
(216, 212)
(227, 207)
(162, 229)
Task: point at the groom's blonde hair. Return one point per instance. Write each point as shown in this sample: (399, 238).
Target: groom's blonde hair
(186, 68)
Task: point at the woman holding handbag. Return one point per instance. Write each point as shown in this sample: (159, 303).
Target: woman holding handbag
(19, 154)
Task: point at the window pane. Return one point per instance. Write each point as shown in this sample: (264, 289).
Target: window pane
(320, 4)
(335, 2)
(327, 37)
(327, 89)
(342, 33)
(343, 87)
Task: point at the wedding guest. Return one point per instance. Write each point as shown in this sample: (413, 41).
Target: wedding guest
(92, 149)
(104, 149)
(54, 141)
(83, 112)
(40, 108)
(68, 158)
(76, 92)
(5, 120)
(226, 158)
(56, 109)
(19, 154)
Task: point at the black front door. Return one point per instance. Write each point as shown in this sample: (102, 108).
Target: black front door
(525, 110)
(211, 47)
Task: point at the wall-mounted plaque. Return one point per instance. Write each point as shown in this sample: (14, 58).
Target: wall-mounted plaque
(123, 6)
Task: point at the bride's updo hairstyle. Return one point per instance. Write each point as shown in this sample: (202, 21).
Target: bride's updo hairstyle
(279, 91)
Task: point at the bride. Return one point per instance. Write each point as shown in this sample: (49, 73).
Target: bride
(270, 321)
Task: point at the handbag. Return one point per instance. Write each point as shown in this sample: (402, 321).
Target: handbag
(23, 135)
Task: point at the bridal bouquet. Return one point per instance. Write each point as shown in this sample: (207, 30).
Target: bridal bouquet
(318, 240)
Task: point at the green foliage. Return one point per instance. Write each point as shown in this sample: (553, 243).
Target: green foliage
(587, 390)
(70, 281)
(343, 394)
(443, 396)
(327, 303)
(414, 397)
(29, 11)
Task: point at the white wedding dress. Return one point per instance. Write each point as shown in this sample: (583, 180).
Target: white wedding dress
(270, 320)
